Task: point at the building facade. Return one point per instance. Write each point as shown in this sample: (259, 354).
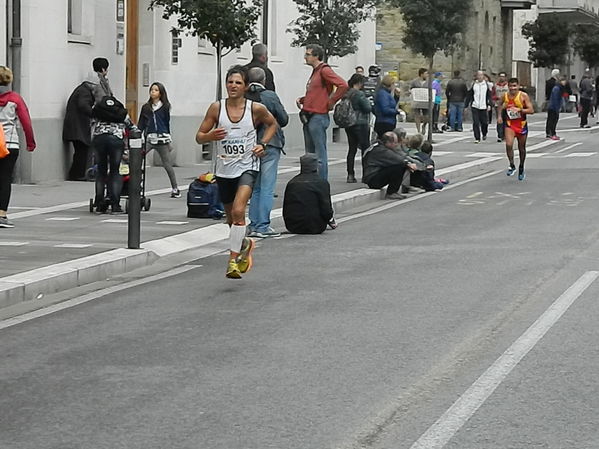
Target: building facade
(60, 38)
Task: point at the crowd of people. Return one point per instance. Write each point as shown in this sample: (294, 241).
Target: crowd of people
(246, 129)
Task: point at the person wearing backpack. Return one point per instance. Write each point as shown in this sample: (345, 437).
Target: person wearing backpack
(358, 134)
(385, 107)
(155, 122)
(320, 98)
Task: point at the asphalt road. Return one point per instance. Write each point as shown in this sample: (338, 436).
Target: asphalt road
(359, 338)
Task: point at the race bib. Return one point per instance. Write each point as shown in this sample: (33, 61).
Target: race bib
(514, 114)
(234, 148)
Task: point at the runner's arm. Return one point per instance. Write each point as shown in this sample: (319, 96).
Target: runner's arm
(528, 107)
(208, 132)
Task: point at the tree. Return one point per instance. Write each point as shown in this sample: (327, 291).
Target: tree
(433, 26)
(586, 45)
(227, 24)
(333, 24)
(548, 37)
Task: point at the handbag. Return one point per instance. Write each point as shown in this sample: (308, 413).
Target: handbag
(3, 148)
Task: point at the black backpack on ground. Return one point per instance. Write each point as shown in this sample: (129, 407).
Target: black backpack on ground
(110, 110)
(203, 201)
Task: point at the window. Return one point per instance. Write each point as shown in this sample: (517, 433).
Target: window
(80, 21)
(175, 45)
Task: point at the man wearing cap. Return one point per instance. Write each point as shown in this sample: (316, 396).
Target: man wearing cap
(307, 207)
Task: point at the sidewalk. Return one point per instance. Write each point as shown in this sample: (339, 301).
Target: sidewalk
(58, 244)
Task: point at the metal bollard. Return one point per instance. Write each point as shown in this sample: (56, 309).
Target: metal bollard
(134, 207)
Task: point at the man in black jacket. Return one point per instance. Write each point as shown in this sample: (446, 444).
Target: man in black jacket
(307, 207)
(385, 166)
(77, 128)
(260, 59)
(456, 96)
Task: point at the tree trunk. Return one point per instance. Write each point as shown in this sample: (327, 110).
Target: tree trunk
(430, 99)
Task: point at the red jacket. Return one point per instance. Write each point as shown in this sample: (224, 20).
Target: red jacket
(13, 108)
(318, 98)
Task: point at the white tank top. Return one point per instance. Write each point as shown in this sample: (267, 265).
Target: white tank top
(234, 153)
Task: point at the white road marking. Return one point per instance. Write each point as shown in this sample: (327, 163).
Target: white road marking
(23, 207)
(481, 154)
(439, 434)
(569, 147)
(475, 194)
(116, 220)
(91, 296)
(172, 222)
(580, 154)
(14, 243)
(73, 245)
(63, 218)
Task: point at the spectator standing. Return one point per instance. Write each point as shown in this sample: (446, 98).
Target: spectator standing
(501, 88)
(492, 87)
(551, 82)
(575, 91)
(260, 59)
(358, 135)
(320, 98)
(554, 108)
(102, 88)
(76, 128)
(438, 90)
(372, 82)
(385, 166)
(155, 122)
(13, 113)
(307, 207)
(456, 92)
(264, 189)
(385, 107)
(359, 70)
(479, 98)
(420, 108)
(586, 98)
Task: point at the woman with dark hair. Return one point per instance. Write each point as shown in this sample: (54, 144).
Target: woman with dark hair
(154, 121)
(358, 135)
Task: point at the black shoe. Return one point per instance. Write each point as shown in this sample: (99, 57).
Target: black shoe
(116, 210)
(405, 189)
(351, 179)
(101, 207)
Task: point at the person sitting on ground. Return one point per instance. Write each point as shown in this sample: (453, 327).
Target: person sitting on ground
(415, 143)
(425, 179)
(385, 166)
(307, 207)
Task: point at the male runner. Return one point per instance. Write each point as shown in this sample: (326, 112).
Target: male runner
(513, 109)
(232, 123)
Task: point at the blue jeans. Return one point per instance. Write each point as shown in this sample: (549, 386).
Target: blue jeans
(315, 138)
(456, 110)
(264, 190)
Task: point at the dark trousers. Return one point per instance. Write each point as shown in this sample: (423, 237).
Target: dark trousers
(500, 127)
(358, 136)
(7, 167)
(436, 112)
(586, 110)
(552, 119)
(381, 128)
(391, 176)
(109, 152)
(80, 161)
(480, 122)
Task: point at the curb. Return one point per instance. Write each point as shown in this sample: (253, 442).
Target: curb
(35, 284)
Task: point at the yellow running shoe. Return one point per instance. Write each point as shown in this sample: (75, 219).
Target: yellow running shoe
(244, 260)
(233, 271)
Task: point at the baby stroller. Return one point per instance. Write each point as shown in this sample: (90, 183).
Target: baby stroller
(146, 203)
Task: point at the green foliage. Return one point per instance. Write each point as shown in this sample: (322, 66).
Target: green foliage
(333, 24)
(586, 45)
(225, 23)
(548, 37)
(433, 25)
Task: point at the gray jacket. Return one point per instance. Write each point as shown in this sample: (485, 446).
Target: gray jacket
(586, 88)
(257, 92)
